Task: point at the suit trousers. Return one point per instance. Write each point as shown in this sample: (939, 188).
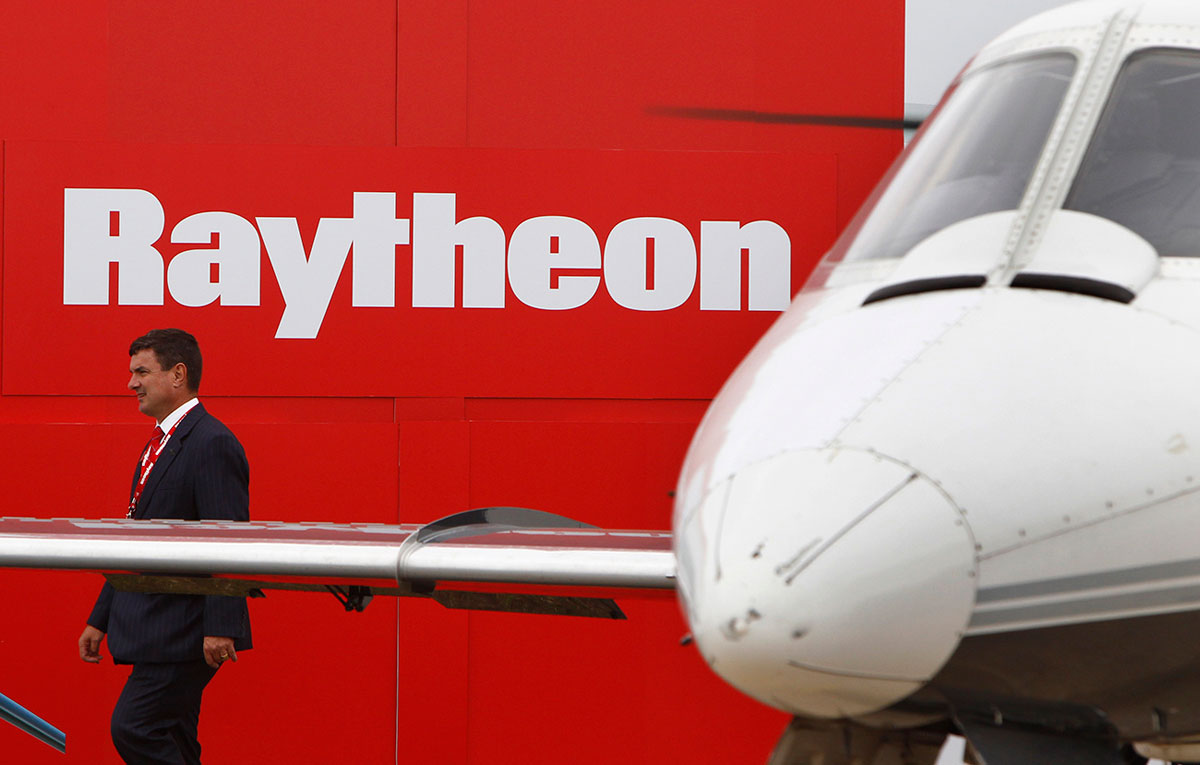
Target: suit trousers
(157, 715)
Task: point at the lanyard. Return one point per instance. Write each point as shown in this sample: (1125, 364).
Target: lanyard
(149, 457)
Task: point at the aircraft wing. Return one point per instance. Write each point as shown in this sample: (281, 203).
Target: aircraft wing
(500, 559)
(15, 714)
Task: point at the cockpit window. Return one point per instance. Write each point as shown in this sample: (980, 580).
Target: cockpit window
(976, 156)
(1142, 169)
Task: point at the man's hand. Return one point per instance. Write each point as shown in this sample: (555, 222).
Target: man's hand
(217, 650)
(89, 644)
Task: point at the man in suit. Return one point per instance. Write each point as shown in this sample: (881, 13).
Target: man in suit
(192, 469)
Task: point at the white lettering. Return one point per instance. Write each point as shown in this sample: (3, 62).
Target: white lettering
(236, 257)
(721, 246)
(541, 246)
(551, 262)
(376, 231)
(436, 235)
(102, 226)
(306, 282)
(650, 264)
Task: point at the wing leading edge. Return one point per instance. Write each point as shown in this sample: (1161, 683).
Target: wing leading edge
(505, 559)
(14, 713)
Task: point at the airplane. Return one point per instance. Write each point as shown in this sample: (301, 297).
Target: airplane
(953, 490)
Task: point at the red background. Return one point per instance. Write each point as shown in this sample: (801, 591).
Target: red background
(234, 82)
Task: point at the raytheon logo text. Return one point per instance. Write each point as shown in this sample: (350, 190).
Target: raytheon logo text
(549, 262)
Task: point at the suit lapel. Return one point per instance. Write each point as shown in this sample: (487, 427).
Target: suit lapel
(165, 460)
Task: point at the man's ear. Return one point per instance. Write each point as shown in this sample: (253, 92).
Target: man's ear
(179, 375)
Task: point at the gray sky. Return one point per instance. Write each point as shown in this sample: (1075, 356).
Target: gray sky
(942, 35)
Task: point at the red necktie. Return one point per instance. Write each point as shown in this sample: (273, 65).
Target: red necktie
(149, 457)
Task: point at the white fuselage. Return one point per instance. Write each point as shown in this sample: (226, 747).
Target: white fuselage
(1006, 436)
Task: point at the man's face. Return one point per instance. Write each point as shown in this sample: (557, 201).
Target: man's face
(156, 388)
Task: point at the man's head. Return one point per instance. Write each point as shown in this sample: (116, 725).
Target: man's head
(164, 369)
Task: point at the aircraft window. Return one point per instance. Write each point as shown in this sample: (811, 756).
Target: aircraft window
(975, 156)
(1142, 169)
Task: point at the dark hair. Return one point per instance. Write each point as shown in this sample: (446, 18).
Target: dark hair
(171, 347)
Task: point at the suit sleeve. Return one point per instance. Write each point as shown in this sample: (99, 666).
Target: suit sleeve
(99, 616)
(223, 493)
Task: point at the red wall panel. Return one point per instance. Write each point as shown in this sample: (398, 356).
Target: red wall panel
(276, 72)
(580, 688)
(545, 689)
(616, 475)
(432, 685)
(431, 73)
(68, 470)
(319, 687)
(322, 472)
(54, 66)
(545, 74)
(384, 419)
(435, 469)
(592, 75)
(313, 472)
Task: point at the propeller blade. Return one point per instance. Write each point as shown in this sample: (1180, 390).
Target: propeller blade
(784, 118)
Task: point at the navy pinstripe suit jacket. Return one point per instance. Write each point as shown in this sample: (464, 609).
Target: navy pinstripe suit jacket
(202, 473)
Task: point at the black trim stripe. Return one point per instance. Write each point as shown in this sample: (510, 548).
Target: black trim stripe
(1079, 285)
(934, 284)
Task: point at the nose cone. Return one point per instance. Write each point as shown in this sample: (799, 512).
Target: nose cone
(838, 582)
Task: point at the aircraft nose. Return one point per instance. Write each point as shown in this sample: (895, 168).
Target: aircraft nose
(840, 581)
